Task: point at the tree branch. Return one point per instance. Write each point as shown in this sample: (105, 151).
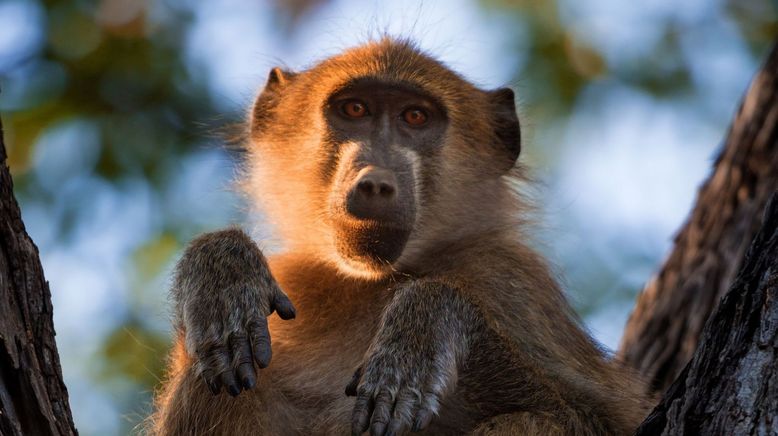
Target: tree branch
(665, 326)
(33, 397)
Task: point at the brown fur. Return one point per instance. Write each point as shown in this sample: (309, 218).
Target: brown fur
(468, 323)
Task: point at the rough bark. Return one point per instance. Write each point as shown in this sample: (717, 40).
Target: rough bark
(665, 326)
(33, 397)
(731, 385)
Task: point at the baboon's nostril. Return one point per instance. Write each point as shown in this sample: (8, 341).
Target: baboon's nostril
(385, 189)
(367, 187)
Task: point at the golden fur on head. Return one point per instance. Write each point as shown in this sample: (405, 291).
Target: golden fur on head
(287, 136)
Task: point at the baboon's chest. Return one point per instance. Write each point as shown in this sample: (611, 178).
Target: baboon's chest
(317, 353)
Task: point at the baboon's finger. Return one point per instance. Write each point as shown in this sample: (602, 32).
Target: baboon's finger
(259, 335)
(351, 387)
(228, 378)
(381, 413)
(404, 409)
(215, 359)
(242, 358)
(213, 383)
(423, 418)
(396, 428)
(363, 407)
(397, 425)
(246, 375)
(283, 305)
(219, 362)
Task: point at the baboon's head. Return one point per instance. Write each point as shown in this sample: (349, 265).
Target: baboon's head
(374, 155)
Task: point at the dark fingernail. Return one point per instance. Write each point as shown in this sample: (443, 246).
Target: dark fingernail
(284, 306)
(233, 389)
(286, 313)
(351, 387)
(249, 382)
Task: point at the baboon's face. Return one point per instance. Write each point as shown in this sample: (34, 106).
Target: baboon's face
(377, 153)
(385, 134)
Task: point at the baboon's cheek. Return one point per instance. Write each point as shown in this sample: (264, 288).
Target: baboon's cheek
(372, 244)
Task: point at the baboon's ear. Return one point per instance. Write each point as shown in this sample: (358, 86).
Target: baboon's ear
(278, 78)
(268, 99)
(506, 125)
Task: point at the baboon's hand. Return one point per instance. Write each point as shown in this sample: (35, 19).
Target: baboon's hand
(412, 362)
(224, 293)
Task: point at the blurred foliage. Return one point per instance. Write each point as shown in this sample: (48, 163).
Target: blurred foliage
(567, 63)
(135, 354)
(561, 64)
(116, 72)
(152, 256)
(117, 66)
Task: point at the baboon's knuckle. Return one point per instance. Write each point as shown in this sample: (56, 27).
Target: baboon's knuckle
(408, 398)
(364, 390)
(384, 395)
(239, 338)
(371, 376)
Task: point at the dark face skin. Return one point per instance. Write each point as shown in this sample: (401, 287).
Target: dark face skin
(381, 131)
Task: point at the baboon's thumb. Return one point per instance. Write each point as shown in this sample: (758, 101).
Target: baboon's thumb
(283, 305)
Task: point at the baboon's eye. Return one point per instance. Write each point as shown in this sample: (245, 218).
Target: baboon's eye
(415, 116)
(354, 109)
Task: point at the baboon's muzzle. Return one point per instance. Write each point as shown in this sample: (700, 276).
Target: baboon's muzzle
(379, 215)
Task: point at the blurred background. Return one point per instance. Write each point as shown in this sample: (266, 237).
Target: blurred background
(114, 110)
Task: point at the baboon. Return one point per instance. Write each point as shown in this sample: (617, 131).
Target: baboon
(405, 279)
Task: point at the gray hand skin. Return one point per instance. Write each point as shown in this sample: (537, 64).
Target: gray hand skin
(223, 293)
(413, 361)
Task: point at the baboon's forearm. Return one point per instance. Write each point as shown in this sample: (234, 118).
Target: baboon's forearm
(427, 311)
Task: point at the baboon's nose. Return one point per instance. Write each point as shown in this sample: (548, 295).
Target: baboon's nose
(373, 195)
(376, 182)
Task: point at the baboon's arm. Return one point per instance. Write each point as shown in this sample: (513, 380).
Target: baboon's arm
(423, 339)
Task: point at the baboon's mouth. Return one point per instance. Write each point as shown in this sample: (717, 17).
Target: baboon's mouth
(373, 243)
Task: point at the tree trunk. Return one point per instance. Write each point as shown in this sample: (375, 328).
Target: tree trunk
(33, 397)
(731, 385)
(665, 326)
